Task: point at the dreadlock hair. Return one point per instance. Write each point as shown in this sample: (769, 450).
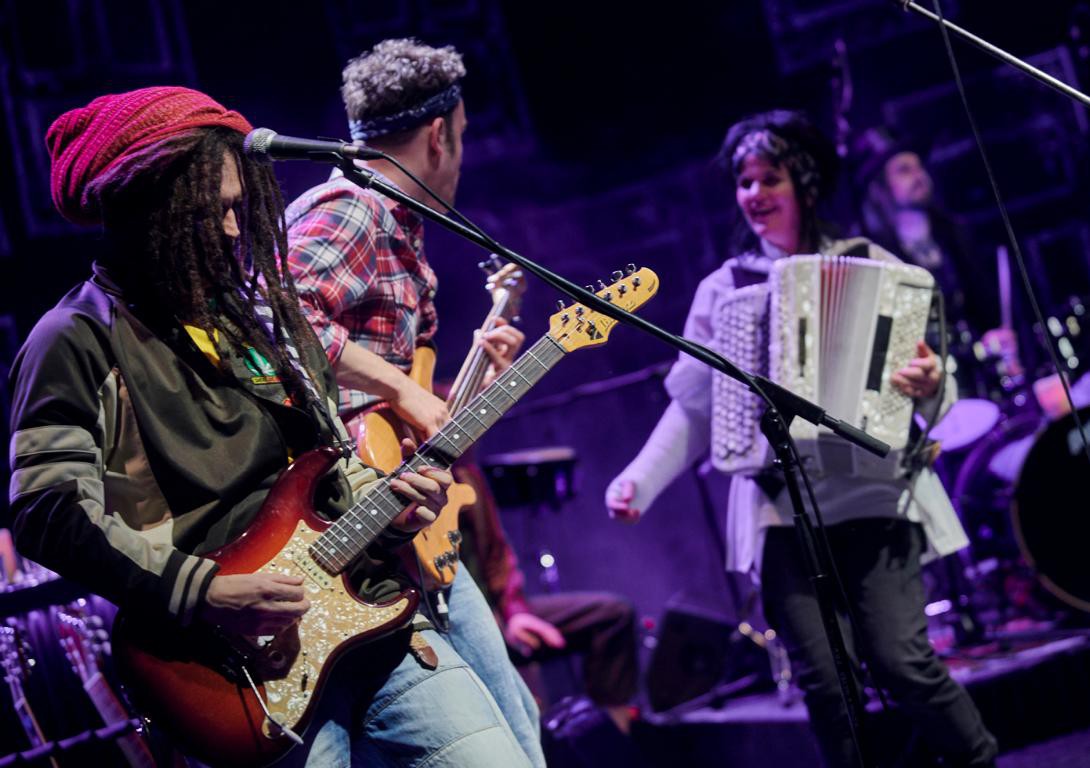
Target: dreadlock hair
(162, 210)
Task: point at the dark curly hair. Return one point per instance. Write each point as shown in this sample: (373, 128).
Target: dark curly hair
(801, 136)
(163, 213)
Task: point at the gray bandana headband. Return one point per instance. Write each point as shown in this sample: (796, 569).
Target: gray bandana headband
(779, 151)
(439, 104)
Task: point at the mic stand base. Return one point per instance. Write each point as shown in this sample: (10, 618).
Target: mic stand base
(776, 430)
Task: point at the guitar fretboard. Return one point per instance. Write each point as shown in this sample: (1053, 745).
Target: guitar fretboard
(354, 531)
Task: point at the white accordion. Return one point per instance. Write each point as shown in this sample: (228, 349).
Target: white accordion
(831, 329)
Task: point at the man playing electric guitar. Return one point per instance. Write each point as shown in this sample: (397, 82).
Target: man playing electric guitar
(368, 291)
(156, 406)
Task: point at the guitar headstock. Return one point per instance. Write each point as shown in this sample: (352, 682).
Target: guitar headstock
(15, 655)
(83, 638)
(505, 282)
(577, 326)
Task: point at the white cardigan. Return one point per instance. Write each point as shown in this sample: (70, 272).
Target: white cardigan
(683, 435)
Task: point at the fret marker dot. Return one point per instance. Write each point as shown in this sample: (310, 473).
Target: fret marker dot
(374, 511)
(456, 435)
(359, 526)
(514, 383)
(481, 411)
(344, 538)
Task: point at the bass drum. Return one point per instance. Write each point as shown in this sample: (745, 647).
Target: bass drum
(983, 483)
(1049, 510)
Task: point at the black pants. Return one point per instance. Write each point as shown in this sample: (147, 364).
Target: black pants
(602, 627)
(879, 563)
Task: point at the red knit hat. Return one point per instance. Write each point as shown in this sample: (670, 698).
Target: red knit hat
(86, 143)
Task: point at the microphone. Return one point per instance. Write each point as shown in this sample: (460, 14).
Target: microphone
(267, 144)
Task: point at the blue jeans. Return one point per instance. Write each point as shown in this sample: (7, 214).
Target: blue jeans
(382, 708)
(476, 637)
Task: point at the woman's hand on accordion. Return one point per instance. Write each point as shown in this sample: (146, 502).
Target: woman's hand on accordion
(619, 501)
(920, 378)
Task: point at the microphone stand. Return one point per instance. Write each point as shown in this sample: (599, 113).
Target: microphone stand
(997, 52)
(782, 406)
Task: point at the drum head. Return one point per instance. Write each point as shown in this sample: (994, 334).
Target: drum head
(966, 422)
(1050, 511)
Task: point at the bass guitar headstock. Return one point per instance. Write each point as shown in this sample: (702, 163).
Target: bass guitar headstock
(506, 283)
(83, 637)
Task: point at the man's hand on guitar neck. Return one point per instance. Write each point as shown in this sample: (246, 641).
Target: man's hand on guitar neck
(427, 491)
(502, 344)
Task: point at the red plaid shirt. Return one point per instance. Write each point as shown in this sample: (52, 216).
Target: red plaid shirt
(358, 263)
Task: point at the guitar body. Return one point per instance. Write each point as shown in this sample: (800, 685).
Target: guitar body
(190, 684)
(379, 445)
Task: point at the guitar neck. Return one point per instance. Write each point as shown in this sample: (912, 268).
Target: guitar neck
(111, 710)
(27, 719)
(345, 539)
(469, 378)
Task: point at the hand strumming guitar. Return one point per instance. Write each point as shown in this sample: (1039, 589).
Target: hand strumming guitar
(420, 408)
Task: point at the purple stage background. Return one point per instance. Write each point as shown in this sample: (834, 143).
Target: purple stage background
(591, 131)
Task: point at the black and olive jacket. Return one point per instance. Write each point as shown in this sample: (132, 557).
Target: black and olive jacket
(133, 453)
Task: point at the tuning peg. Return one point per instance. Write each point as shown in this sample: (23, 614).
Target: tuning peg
(579, 311)
(559, 303)
(601, 286)
(617, 275)
(589, 287)
(636, 282)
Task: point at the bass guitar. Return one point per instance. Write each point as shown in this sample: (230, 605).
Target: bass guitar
(242, 701)
(381, 431)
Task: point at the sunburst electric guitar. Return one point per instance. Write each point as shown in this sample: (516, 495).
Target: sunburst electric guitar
(242, 701)
(381, 431)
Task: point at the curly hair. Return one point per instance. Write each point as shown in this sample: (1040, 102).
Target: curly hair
(163, 213)
(396, 75)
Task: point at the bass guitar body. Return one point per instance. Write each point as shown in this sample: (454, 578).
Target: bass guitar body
(379, 445)
(195, 683)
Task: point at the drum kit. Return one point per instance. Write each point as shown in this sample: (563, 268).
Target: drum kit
(1016, 471)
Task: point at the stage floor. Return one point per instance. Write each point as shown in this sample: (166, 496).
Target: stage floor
(1032, 694)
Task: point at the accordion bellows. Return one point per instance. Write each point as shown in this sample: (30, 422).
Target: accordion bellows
(831, 329)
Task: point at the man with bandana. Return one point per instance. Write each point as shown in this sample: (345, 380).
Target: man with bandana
(368, 291)
(782, 168)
